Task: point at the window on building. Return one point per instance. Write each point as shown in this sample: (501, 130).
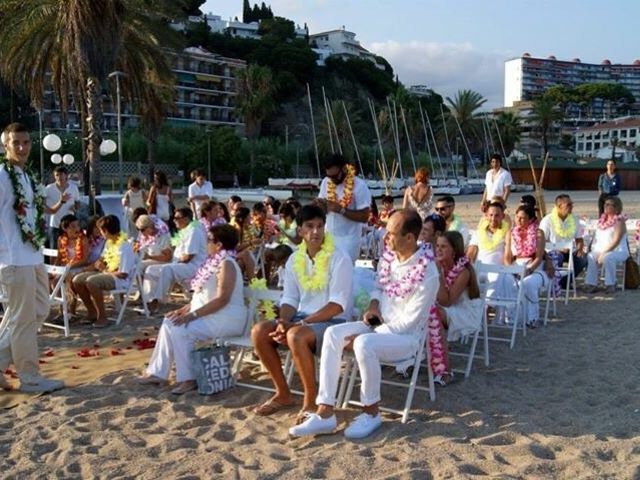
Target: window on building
(614, 133)
(596, 145)
(580, 146)
(632, 132)
(623, 134)
(589, 147)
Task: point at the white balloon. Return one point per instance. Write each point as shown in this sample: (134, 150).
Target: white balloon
(67, 159)
(2, 138)
(107, 147)
(52, 142)
(56, 158)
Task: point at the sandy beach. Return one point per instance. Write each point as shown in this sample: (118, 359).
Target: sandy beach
(563, 404)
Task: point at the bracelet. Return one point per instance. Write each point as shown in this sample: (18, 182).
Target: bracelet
(343, 211)
(194, 315)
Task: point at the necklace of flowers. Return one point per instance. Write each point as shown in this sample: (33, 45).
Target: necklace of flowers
(559, 227)
(456, 223)
(180, 234)
(63, 252)
(209, 268)
(347, 194)
(111, 254)
(266, 308)
(161, 229)
(36, 234)
(319, 277)
(525, 239)
(489, 244)
(605, 221)
(405, 286)
(637, 235)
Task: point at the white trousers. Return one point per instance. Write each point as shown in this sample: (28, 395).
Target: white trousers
(610, 261)
(175, 344)
(507, 287)
(158, 279)
(370, 349)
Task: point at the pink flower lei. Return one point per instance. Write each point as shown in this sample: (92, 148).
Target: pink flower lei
(405, 286)
(210, 267)
(605, 221)
(161, 229)
(525, 247)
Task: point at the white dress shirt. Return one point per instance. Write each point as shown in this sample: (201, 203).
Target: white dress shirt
(338, 289)
(546, 225)
(490, 257)
(16, 251)
(495, 186)
(127, 265)
(339, 225)
(53, 196)
(196, 190)
(194, 242)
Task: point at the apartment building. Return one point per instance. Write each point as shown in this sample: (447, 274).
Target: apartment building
(590, 140)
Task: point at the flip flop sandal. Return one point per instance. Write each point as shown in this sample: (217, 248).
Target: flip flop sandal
(270, 407)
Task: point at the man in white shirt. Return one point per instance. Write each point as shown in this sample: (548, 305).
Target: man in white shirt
(190, 252)
(561, 225)
(316, 295)
(61, 198)
(446, 207)
(497, 182)
(200, 191)
(22, 270)
(400, 319)
(348, 201)
(487, 243)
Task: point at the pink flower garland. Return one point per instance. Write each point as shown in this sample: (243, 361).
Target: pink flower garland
(161, 229)
(439, 364)
(637, 235)
(209, 268)
(605, 221)
(526, 247)
(406, 285)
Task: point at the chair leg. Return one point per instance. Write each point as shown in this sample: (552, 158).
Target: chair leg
(352, 382)
(485, 327)
(472, 354)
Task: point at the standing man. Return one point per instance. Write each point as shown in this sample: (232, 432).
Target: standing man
(497, 183)
(22, 270)
(446, 207)
(348, 201)
(200, 191)
(61, 198)
(609, 185)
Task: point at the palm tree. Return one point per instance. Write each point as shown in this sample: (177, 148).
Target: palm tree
(508, 131)
(545, 115)
(462, 120)
(614, 143)
(255, 102)
(74, 45)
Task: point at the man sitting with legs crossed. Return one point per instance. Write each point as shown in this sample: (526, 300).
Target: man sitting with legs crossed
(406, 289)
(317, 294)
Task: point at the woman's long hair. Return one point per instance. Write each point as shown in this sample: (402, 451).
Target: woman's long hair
(456, 241)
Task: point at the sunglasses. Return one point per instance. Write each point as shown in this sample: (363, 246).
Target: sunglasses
(442, 209)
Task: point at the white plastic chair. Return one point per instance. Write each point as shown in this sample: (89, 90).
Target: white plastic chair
(567, 272)
(135, 282)
(471, 354)
(58, 295)
(516, 302)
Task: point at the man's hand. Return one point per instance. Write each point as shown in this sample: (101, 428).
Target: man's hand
(371, 312)
(279, 335)
(65, 197)
(601, 258)
(100, 265)
(333, 206)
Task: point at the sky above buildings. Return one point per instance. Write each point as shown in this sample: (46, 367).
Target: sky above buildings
(450, 45)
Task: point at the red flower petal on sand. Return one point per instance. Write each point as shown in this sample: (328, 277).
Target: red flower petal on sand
(146, 334)
(115, 351)
(42, 361)
(129, 347)
(96, 345)
(48, 353)
(74, 367)
(145, 343)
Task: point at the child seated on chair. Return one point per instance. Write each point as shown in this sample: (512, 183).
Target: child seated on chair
(73, 250)
(114, 270)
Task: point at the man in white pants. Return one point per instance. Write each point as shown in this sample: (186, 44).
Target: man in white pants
(190, 252)
(22, 270)
(402, 306)
(348, 201)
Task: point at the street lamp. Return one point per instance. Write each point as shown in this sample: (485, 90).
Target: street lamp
(117, 75)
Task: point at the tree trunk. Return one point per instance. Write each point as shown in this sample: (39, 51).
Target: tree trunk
(252, 160)
(152, 143)
(94, 137)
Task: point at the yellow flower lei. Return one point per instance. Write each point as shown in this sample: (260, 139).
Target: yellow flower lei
(486, 243)
(111, 254)
(347, 195)
(560, 230)
(320, 275)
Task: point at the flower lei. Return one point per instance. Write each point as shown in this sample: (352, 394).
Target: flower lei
(265, 228)
(36, 234)
(559, 226)
(637, 235)
(488, 244)
(456, 223)
(319, 277)
(209, 267)
(605, 222)
(525, 247)
(111, 253)
(180, 234)
(405, 286)
(78, 247)
(436, 345)
(347, 195)
(266, 307)
(161, 229)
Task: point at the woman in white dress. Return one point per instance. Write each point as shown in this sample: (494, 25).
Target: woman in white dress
(160, 197)
(458, 299)
(610, 246)
(217, 310)
(419, 197)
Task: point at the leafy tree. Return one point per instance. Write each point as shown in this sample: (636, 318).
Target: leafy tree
(614, 143)
(246, 12)
(509, 129)
(545, 116)
(279, 28)
(379, 83)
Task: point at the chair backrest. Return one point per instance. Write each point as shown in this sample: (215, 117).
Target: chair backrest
(61, 272)
(50, 252)
(514, 269)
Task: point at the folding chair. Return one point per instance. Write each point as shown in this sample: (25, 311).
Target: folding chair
(58, 295)
(516, 302)
(565, 272)
(135, 282)
(351, 373)
(471, 354)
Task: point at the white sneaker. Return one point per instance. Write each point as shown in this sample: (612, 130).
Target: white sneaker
(40, 384)
(314, 425)
(363, 426)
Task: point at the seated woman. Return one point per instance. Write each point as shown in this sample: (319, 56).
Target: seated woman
(524, 245)
(459, 308)
(113, 270)
(247, 242)
(609, 247)
(210, 214)
(154, 241)
(73, 250)
(217, 310)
